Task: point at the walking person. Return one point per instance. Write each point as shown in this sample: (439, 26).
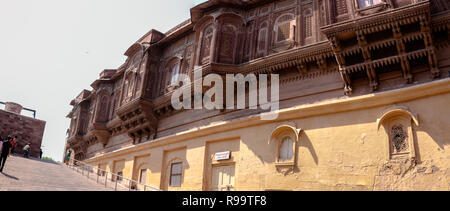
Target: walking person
(67, 160)
(40, 153)
(1, 143)
(13, 144)
(6, 147)
(26, 150)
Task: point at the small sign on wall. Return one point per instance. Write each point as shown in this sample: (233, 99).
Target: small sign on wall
(222, 155)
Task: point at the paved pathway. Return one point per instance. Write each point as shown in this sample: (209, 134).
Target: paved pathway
(22, 174)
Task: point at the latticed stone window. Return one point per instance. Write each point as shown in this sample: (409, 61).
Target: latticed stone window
(227, 46)
(307, 17)
(399, 139)
(206, 44)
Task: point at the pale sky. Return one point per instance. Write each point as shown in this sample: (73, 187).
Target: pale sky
(50, 50)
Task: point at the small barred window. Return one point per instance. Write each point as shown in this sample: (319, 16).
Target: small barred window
(399, 139)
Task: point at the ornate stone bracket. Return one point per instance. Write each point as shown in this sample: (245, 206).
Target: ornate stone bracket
(139, 120)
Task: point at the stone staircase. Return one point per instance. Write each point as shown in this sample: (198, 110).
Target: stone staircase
(21, 174)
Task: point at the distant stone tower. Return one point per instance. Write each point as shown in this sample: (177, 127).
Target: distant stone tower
(13, 108)
(27, 129)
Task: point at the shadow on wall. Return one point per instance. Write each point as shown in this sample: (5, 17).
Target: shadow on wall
(432, 123)
(304, 141)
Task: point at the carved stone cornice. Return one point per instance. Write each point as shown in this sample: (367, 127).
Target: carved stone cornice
(138, 119)
(380, 21)
(441, 21)
(295, 58)
(291, 58)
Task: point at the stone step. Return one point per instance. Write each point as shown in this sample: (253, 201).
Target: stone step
(21, 174)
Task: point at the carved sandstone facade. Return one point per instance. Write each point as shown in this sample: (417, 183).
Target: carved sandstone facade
(364, 95)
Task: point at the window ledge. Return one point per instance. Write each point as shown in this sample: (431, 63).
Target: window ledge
(285, 164)
(372, 9)
(172, 88)
(283, 46)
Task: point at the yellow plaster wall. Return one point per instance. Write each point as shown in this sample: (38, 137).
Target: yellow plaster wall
(335, 151)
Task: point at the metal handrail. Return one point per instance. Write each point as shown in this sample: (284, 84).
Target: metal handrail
(133, 185)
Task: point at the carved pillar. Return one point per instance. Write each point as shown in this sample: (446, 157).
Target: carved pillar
(406, 69)
(341, 63)
(198, 59)
(370, 70)
(432, 59)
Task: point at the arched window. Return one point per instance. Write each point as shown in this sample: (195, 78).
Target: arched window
(176, 170)
(143, 176)
(285, 138)
(262, 37)
(227, 44)
(102, 108)
(130, 86)
(286, 149)
(206, 43)
(284, 28)
(174, 73)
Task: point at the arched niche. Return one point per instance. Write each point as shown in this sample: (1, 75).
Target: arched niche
(398, 123)
(285, 138)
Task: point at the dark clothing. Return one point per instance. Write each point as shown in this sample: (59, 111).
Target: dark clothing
(2, 162)
(6, 146)
(26, 153)
(5, 152)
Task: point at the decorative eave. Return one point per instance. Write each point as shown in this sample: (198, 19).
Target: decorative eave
(95, 85)
(380, 21)
(295, 58)
(151, 37)
(136, 47)
(175, 33)
(275, 62)
(440, 21)
(198, 11)
(290, 58)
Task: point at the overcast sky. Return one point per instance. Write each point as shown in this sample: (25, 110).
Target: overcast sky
(50, 50)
